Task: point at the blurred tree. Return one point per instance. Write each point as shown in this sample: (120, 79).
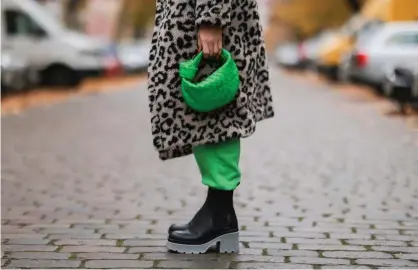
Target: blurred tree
(135, 18)
(355, 5)
(308, 17)
(72, 9)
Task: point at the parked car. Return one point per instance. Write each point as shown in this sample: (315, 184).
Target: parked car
(289, 55)
(389, 46)
(372, 11)
(133, 55)
(62, 56)
(312, 46)
(362, 37)
(401, 85)
(339, 42)
(16, 74)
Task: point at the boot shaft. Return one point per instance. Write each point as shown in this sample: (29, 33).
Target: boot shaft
(221, 204)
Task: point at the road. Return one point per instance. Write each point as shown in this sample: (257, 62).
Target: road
(328, 183)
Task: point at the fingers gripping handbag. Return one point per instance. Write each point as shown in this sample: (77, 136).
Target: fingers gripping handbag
(215, 91)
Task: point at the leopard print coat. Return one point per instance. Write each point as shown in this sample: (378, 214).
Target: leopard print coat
(177, 128)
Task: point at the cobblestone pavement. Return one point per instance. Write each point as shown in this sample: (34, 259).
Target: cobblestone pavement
(329, 183)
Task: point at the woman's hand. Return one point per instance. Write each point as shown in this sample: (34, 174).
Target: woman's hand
(210, 40)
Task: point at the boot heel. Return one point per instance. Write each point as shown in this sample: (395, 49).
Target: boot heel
(229, 243)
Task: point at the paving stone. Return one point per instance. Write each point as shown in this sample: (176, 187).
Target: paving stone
(376, 231)
(39, 255)
(403, 249)
(68, 231)
(292, 253)
(386, 226)
(147, 249)
(22, 236)
(45, 226)
(323, 230)
(328, 247)
(95, 226)
(272, 266)
(118, 264)
(74, 236)
(377, 243)
(28, 241)
(175, 256)
(406, 256)
(81, 222)
(26, 263)
(145, 243)
(391, 267)
(251, 251)
(315, 235)
(357, 255)
(197, 264)
(311, 260)
(106, 256)
(143, 236)
(344, 267)
(350, 236)
(254, 233)
(394, 237)
(14, 229)
(270, 245)
(28, 248)
(260, 239)
(313, 241)
(386, 262)
(85, 242)
(92, 249)
(251, 258)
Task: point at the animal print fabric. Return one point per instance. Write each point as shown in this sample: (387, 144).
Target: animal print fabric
(177, 128)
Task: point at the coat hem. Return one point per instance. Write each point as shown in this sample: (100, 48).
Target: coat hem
(185, 150)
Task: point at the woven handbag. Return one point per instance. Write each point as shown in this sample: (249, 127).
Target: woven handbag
(215, 91)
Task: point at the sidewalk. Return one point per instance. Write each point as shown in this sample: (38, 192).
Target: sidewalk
(328, 183)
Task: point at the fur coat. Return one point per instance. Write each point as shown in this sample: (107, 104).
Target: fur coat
(177, 128)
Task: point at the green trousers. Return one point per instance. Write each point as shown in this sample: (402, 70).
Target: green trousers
(219, 164)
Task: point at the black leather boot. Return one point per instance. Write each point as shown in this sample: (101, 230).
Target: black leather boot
(180, 227)
(214, 224)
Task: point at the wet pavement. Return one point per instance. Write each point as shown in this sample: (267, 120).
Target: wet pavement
(328, 183)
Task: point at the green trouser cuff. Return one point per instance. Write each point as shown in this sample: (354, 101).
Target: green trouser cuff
(219, 164)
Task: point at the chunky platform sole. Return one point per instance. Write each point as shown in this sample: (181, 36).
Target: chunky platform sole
(227, 243)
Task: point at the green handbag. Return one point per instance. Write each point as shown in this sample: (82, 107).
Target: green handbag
(215, 91)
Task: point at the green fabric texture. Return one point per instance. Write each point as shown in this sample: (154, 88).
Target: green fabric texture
(215, 91)
(219, 164)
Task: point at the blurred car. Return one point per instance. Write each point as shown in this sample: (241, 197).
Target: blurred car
(401, 85)
(373, 11)
(289, 55)
(312, 46)
(339, 42)
(362, 38)
(133, 55)
(16, 74)
(63, 57)
(380, 51)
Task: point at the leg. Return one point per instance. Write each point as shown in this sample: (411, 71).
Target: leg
(219, 164)
(216, 222)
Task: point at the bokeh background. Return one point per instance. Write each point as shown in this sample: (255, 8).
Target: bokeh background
(111, 39)
(330, 182)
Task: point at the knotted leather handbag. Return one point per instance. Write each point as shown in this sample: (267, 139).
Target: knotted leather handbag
(213, 92)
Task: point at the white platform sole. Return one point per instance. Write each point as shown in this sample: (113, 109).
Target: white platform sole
(227, 243)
